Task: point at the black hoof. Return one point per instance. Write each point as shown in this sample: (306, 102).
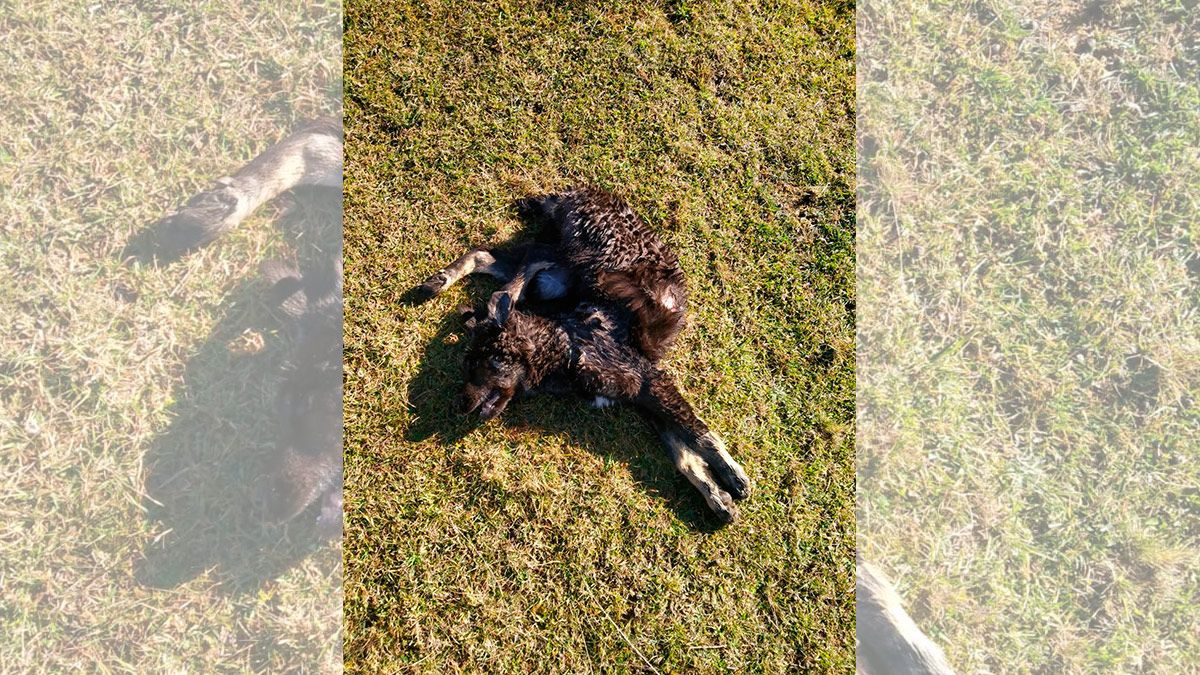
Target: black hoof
(199, 222)
(427, 290)
(727, 512)
(731, 476)
(737, 484)
(432, 286)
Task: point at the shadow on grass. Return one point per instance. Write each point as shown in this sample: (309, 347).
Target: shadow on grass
(163, 242)
(618, 435)
(203, 472)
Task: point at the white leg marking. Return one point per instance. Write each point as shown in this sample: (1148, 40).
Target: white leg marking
(475, 261)
(694, 468)
(481, 261)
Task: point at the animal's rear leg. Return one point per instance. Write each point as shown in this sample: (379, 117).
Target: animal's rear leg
(311, 156)
(694, 467)
(658, 305)
(204, 218)
(698, 452)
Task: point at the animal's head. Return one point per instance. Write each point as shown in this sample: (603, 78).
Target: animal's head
(498, 361)
(306, 467)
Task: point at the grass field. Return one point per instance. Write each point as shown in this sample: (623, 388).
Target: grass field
(559, 538)
(1029, 352)
(131, 418)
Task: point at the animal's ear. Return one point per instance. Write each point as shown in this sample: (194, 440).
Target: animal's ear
(499, 307)
(469, 317)
(286, 287)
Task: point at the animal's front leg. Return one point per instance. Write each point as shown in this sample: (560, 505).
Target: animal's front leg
(476, 260)
(311, 156)
(514, 267)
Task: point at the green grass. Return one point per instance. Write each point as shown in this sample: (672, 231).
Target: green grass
(1029, 343)
(560, 538)
(130, 426)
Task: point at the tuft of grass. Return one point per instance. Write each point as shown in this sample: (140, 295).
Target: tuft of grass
(131, 419)
(1029, 344)
(560, 538)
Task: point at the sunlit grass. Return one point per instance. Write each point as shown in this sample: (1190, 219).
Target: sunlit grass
(1029, 340)
(113, 377)
(560, 538)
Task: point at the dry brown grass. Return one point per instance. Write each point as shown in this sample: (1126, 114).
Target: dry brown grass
(560, 538)
(1029, 344)
(113, 375)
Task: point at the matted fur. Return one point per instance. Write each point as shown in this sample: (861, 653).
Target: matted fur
(619, 259)
(306, 466)
(596, 248)
(625, 304)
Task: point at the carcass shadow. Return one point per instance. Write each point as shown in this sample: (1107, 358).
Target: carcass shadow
(203, 474)
(615, 434)
(203, 470)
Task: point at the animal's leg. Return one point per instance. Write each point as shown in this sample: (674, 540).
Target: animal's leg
(693, 467)
(311, 156)
(658, 302)
(888, 639)
(693, 445)
(498, 264)
(296, 293)
(513, 267)
(601, 402)
(712, 448)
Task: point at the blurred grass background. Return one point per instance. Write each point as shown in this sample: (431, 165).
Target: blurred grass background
(560, 538)
(1029, 350)
(132, 415)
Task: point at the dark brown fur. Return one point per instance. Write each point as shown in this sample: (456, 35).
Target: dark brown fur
(598, 250)
(627, 303)
(306, 466)
(619, 259)
(588, 351)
